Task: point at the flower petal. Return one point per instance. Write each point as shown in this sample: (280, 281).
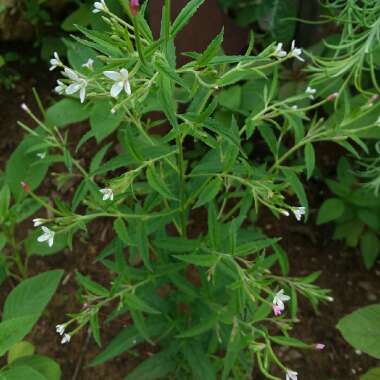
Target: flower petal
(73, 88)
(114, 75)
(127, 88)
(116, 89)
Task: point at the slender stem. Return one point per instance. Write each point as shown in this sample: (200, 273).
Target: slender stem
(181, 174)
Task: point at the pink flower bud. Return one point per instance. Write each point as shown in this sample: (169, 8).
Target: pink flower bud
(277, 310)
(319, 346)
(135, 7)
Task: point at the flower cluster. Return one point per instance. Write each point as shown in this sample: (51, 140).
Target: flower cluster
(295, 52)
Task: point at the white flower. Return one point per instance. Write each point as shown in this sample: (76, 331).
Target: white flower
(60, 88)
(279, 51)
(48, 236)
(66, 338)
(295, 107)
(38, 222)
(24, 107)
(41, 155)
(99, 6)
(298, 212)
(284, 212)
(89, 64)
(121, 80)
(60, 329)
(79, 84)
(291, 375)
(311, 92)
(55, 62)
(296, 52)
(279, 299)
(107, 194)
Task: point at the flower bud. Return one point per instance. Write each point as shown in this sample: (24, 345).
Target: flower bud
(25, 186)
(135, 7)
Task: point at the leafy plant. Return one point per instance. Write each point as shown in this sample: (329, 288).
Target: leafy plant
(360, 329)
(355, 211)
(22, 309)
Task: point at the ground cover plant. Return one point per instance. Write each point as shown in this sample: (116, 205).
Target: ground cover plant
(185, 160)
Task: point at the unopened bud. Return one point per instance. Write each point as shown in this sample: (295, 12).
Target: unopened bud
(25, 187)
(333, 96)
(135, 6)
(319, 346)
(24, 107)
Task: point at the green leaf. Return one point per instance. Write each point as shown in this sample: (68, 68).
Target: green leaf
(289, 341)
(167, 100)
(202, 260)
(209, 192)
(309, 159)
(65, 112)
(157, 183)
(361, 329)
(297, 186)
(103, 122)
(5, 200)
(331, 209)
(22, 372)
(254, 246)
(34, 247)
(91, 286)
(204, 325)
(135, 303)
(14, 330)
(143, 243)
(42, 364)
(97, 160)
(19, 350)
(370, 248)
(372, 374)
(31, 296)
(121, 230)
(212, 49)
(18, 168)
(177, 244)
(185, 15)
(370, 218)
(281, 24)
(198, 361)
(82, 15)
(157, 366)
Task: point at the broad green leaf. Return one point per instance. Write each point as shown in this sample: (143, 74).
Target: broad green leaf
(370, 248)
(65, 112)
(372, 374)
(14, 330)
(82, 16)
(5, 200)
(330, 210)
(42, 364)
(282, 22)
(18, 168)
(19, 350)
(34, 247)
(361, 329)
(31, 296)
(22, 372)
(185, 15)
(103, 122)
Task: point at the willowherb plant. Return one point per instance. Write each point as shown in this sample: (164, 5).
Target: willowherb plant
(209, 301)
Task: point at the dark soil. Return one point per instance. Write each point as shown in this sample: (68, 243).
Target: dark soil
(309, 248)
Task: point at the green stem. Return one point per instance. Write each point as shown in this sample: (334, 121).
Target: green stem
(181, 174)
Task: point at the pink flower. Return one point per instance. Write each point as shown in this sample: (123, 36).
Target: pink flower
(333, 96)
(25, 186)
(319, 346)
(135, 7)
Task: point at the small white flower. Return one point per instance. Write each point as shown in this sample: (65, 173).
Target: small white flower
(107, 194)
(291, 375)
(79, 84)
(48, 236)
(298, 212)
(279, 51)
(89, 64)
(311, 92)
(330, 299)
(60, 329)
(121, 80)
(279, 299)
(295, 107)
(99, 6)
(55, 62)
(41, 155)
(66, 338)
(60, 88)
(38, 222)
(296, 52)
